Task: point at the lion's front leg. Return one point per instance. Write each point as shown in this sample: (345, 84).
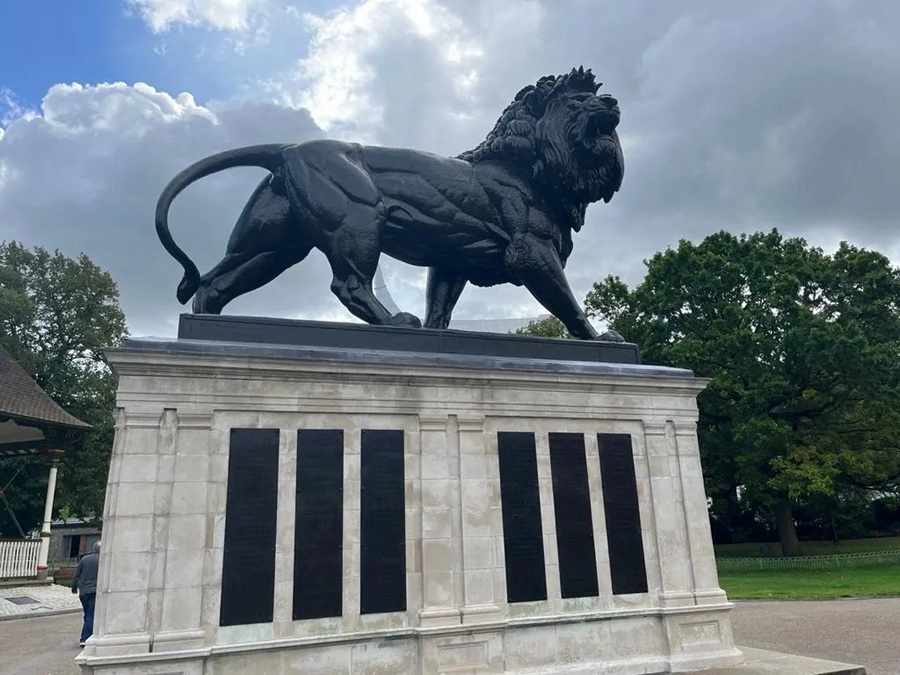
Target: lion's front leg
(537, 265)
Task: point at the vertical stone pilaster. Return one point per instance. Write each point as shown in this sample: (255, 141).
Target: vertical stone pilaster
(480, 516)
(286, 512)
(676, 578)
(216, 498)
(350, 586)
(109, 504)
(548, 520)
(412, 498)
(128, 591)
(695, 516)
(438, 466)
(190, 532)
(598, 515)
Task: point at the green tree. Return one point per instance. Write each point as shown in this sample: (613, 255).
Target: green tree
(803, 352)
(56, 316)
(548, 327)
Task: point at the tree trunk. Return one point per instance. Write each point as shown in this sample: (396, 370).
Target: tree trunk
(787, 531)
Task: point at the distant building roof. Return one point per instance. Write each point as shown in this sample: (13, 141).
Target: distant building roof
(27, 413)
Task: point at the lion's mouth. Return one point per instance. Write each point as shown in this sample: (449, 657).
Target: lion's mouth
(606, 122)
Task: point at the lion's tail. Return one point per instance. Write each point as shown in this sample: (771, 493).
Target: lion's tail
(267, 156)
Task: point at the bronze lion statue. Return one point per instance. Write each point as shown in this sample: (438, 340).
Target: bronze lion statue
(503, 212)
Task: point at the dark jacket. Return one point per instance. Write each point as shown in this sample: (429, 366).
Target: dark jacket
(85, 579)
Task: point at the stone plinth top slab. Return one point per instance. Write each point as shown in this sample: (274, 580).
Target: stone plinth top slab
(256, 330)
(391, 358)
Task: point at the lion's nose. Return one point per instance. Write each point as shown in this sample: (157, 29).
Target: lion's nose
(610, 101)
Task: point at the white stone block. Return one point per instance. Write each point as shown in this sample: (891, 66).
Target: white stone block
(137, 468)
(436, 524)
(193, 468)
(479, 587)
(478, 553)
(187, 533)
(188, 498)
(135, 499)
(124, 611)
(129, 571)
(133, 533)
(437, 588)
(165, 469)
(184, 569)
(181, 608)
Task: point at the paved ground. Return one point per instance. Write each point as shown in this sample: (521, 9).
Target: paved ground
(864, 632)
(861, 632)
(16, 601)
(45, 645)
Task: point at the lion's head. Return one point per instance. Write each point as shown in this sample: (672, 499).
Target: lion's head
(565, 134)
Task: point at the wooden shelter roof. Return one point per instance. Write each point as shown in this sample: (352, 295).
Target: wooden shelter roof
(29, 418)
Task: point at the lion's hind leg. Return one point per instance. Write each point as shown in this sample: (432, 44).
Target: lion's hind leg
(347, 217)
(353, 255)
(244, 274)
(441, 294)
(267, 239)
(353, 287)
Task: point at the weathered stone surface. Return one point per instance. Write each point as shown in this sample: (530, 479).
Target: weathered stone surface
(761, 662)
(180, 399)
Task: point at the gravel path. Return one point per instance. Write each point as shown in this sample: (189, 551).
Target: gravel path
(861, 632)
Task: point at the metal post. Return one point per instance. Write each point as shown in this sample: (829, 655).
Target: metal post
(48, 514)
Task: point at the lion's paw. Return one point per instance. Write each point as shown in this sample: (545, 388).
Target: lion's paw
(611, 336)
(405, 319)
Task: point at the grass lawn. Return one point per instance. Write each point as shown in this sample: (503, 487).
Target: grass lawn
(758, 550)
(812, 584)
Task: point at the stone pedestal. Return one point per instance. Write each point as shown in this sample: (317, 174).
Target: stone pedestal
(326, 510)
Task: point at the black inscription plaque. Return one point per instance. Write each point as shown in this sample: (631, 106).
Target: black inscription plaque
(248, 556)
(574, 525)
(382, 555)
(523, 541)
(623, 518)
(318, 531)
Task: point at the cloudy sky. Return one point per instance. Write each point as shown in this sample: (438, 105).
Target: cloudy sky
(736, 115)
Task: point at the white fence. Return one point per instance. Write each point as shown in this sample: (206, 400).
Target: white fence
(19, 558)
(820, 562)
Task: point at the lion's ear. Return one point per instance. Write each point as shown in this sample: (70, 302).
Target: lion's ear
(535, 102)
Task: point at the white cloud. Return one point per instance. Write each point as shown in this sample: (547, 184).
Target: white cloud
(340, 68)
(229, 15)
(736, 116)
(410, 71)
(84, 173)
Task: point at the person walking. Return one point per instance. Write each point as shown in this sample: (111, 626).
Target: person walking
(85, 583)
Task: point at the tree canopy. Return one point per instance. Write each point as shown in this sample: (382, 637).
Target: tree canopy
(549, 327)
(803, 352)
(57, 314)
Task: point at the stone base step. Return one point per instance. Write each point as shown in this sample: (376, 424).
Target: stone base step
(762, 662)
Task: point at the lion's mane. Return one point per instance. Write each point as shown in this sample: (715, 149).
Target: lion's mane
(535, 131)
